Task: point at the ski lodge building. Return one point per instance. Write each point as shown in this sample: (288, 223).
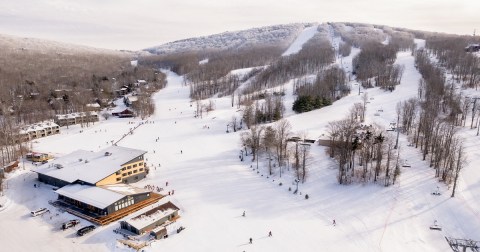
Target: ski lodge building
(112, 165)
(94, 185)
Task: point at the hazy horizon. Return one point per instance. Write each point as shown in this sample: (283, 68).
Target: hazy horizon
(122, 24)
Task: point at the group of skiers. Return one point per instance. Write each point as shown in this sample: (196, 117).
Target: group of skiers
(251, 239)
(158, 189)
(270, 232)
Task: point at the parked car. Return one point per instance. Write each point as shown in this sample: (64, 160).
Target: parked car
(70, 223)
(85, 230)
(39, 211)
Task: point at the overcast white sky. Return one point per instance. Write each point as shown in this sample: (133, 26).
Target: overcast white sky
(137, 24)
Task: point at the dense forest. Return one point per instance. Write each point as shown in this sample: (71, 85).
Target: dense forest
(40, 79)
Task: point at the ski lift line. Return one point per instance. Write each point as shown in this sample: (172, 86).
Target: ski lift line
(388, 218)
(475, 213)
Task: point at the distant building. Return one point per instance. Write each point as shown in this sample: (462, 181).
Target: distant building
(141, 83)
(76, 118)
(112, 165)
(38, 130)
(124, 113)
(162, 214)
(11, 166)
(130, 100)
(93, 107)
(472, 48)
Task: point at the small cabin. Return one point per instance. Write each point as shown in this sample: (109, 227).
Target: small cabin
(152, 220)
(472, 48)
(11, 166)
(124, 114)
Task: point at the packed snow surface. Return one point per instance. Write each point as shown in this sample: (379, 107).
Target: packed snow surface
(306, 35)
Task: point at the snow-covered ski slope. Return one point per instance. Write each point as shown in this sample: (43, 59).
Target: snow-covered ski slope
(213, 187)
(301, 39)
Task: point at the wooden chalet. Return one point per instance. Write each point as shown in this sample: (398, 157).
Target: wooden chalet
(126, 113)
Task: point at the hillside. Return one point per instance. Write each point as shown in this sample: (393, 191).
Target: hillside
(278, 35)
(35, 72)
(49, 46)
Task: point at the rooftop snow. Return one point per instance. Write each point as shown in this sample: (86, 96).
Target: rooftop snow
(124, 189)
(75, 115)
(149, 215)
(87, 166)
(38, 126)
(92, 195)
(93, 105)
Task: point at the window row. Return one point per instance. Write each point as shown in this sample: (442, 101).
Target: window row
(132, 166)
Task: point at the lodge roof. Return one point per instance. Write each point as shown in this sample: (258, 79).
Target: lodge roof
(99, 196)
(87, 166)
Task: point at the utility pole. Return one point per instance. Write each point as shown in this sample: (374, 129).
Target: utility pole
(473, 110)
(397, 127)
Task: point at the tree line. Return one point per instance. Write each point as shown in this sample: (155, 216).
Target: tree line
(314, 56)
(272, 143)
(329, 85)
(374, 66)
(364, 153)
(450, 53)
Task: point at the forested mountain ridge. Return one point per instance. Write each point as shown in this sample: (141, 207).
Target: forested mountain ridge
(278, 35)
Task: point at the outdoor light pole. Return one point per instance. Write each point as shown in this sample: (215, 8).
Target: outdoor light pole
(296, 190)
